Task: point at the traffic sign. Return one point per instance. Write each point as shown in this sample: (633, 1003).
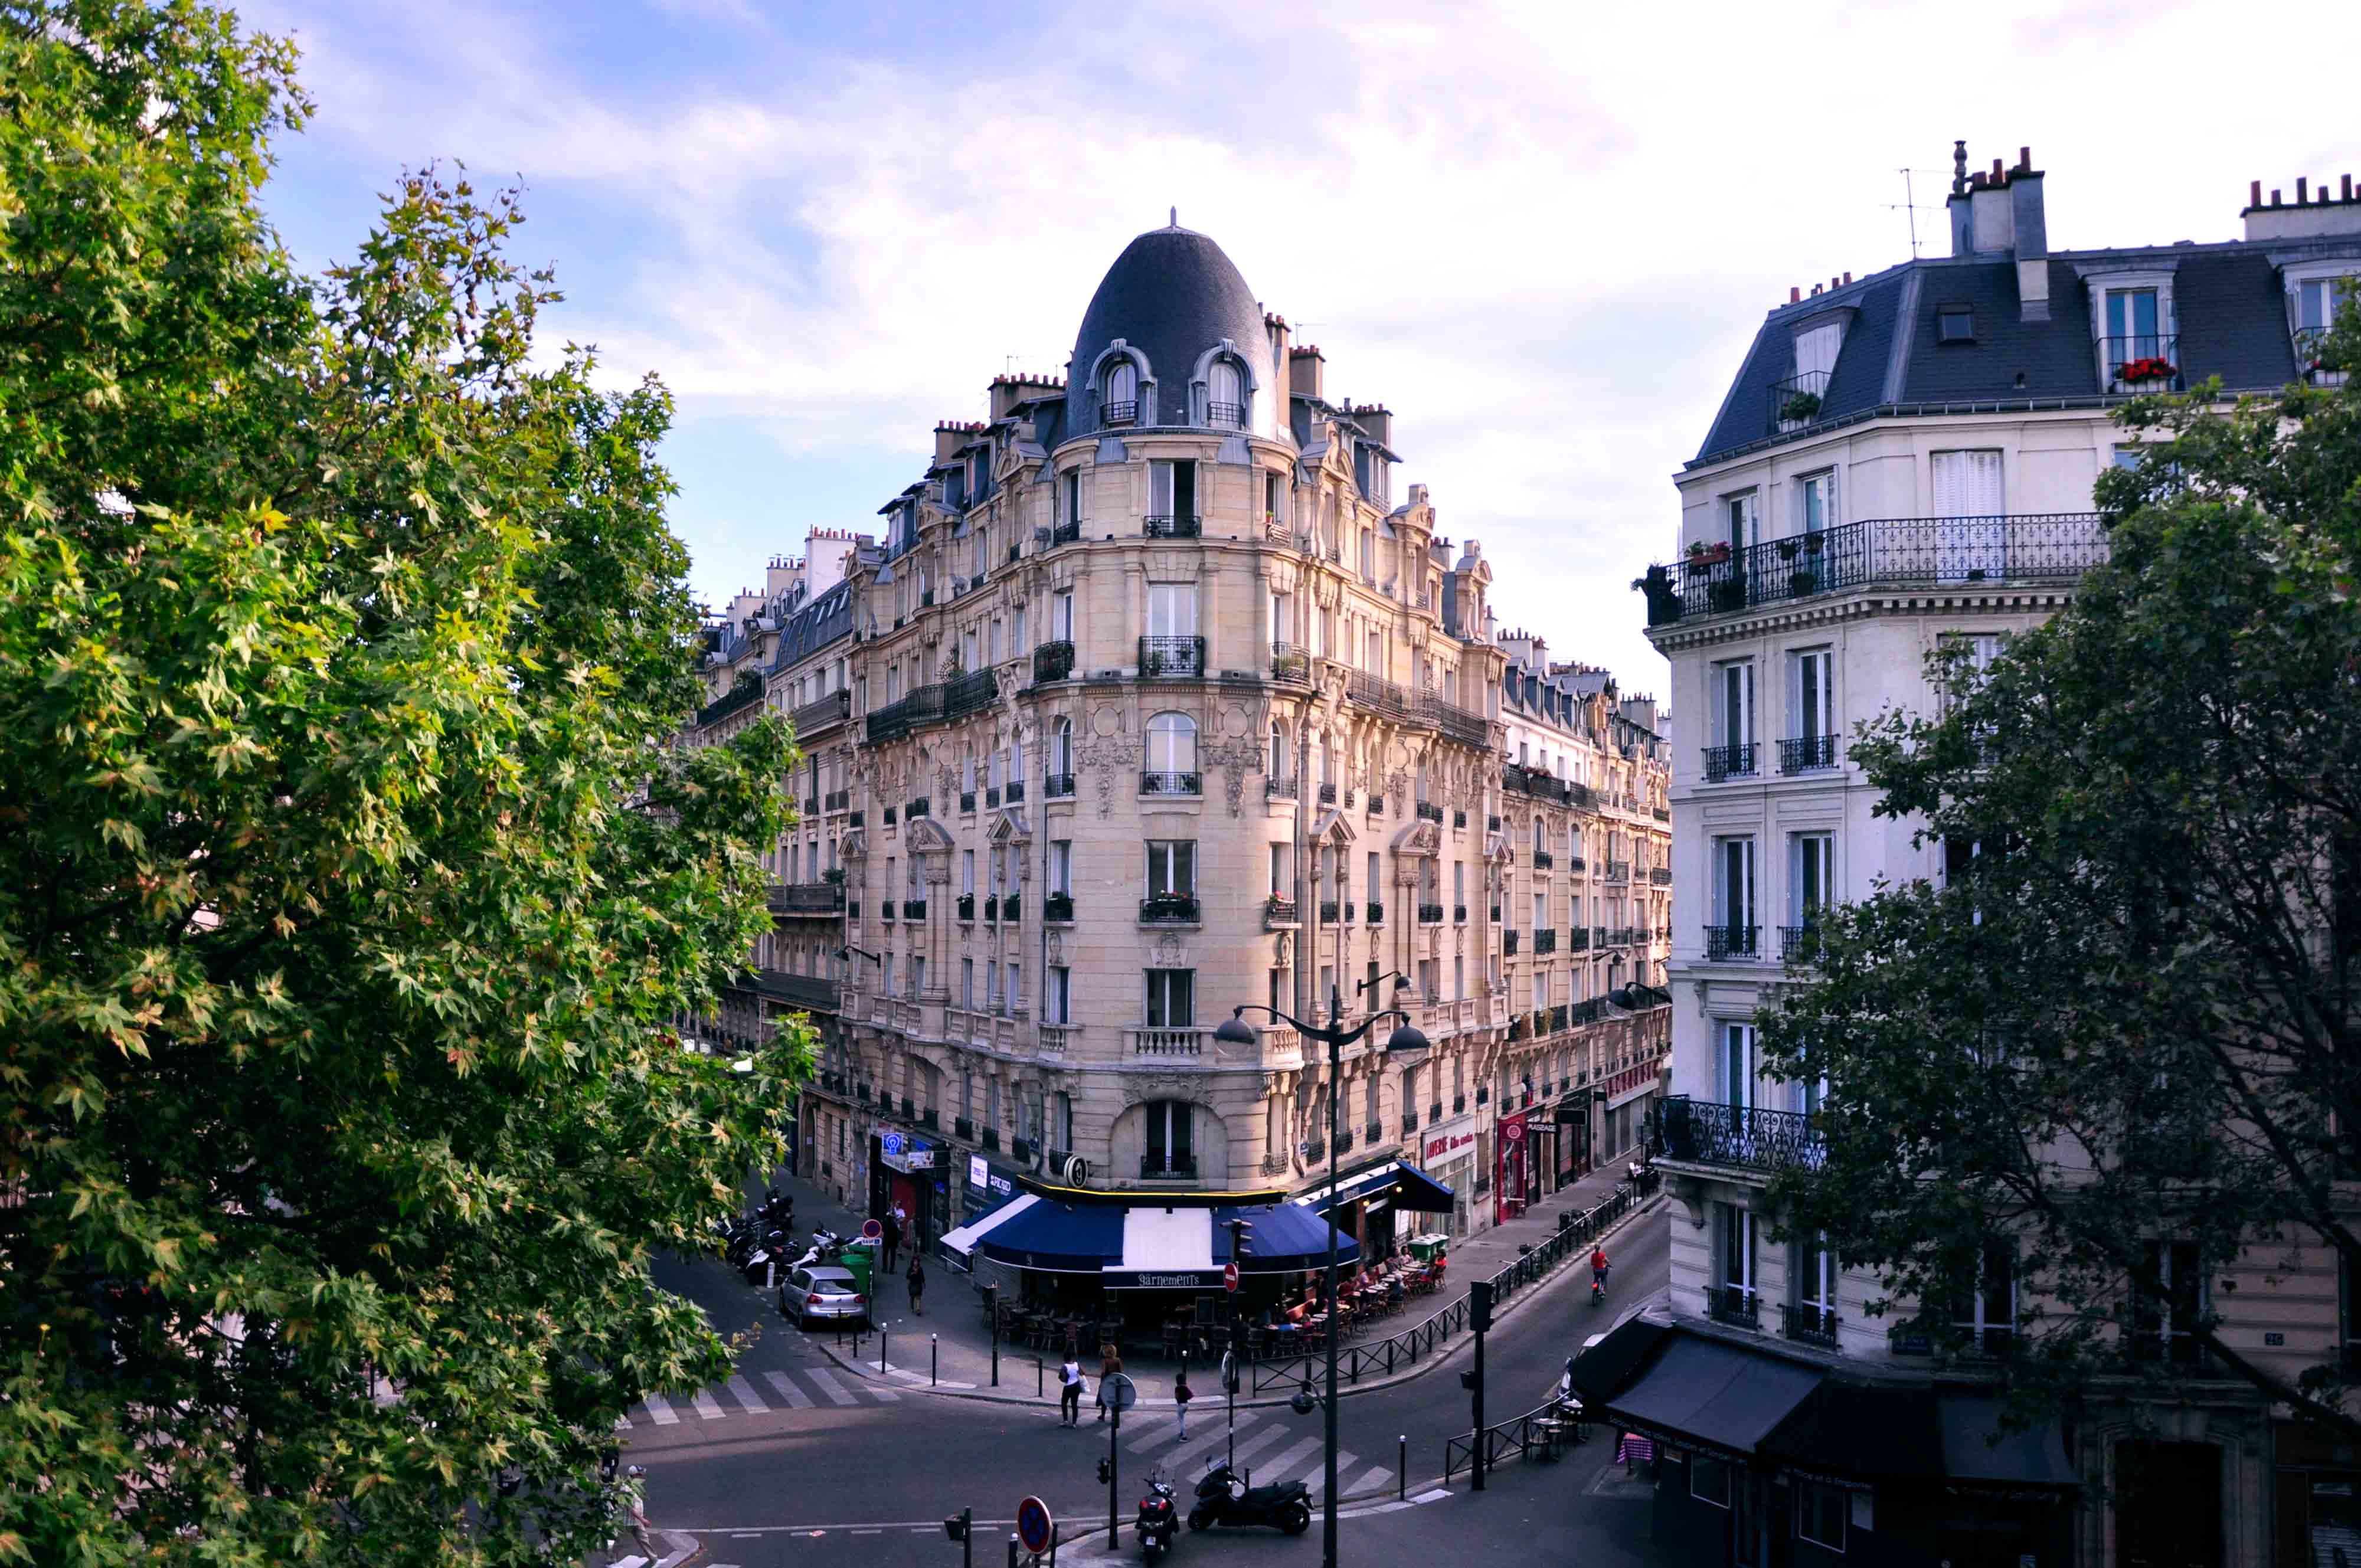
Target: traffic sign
(1034, 1526)
(1121, 1392)
(1230, 1277)
(871, 1229)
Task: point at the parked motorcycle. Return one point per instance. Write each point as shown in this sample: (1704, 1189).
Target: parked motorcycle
(1223, 1499)
(1158, 1519)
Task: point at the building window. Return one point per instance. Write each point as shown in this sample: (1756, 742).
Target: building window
(1172, 868)
(1968, 484)
(1172, 998)
(1738, 520)
(967, 870)
(1061, 865)
(1737, 1065)
(1732, 934)
(1811, 879)
(1954, 323)
(2136, 328)
(1171, 609)
(1815, 502)
(1282, 874)
(1057, 994)
(1061, 748)
(1225, 395)
(1172, 743)
(1170, 1144)
(1061, 616)
(1984, 1297)
(1172, 494)
(2163, 1325)
(967, 982)
(1710, 1480)
(1278, 767)
(1069, 497)
(1732, 691)
(1734, 1241)
(1820, 1513)
(1120, 405)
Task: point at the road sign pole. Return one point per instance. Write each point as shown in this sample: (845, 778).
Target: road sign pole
(967, 1537)
(1114, 1461)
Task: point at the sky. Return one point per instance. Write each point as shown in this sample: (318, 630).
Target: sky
(1543, 235)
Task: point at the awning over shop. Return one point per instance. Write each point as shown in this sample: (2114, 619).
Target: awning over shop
(1145, 1245)
(1977, 1452)
(1706, 1394)
(1606, 1368)
(1408, 1187)
(1858, 1434)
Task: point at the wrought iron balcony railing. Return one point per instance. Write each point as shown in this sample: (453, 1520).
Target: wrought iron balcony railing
(1057, 787)
(1153, 1167)
(1123, 413)
(1809, 1323)
(1277, 788)
(1278, 911)
(1170, 525)
(1428, 811)
(1736, 1304)
(1171, 656)
(1509, 943)
(1545, 941)
(1799, 944)
(1805, 753)
(1730, 762)
(1225, 416)
(1168, 784)
(1290, 663)
(1065, 533)
(1430, 915)
(1544, 860)
(1168, 909)
(1058, 907)
(1053, 661)
(2029, 547)
(1375, 912)
(1705, 1132)
(1732, 942)
(2146, 362)
(965, 906)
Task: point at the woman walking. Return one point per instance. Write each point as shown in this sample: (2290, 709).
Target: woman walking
(1181, 1395)
(1109, 1364)
(1070, 1390)
(917, 1280)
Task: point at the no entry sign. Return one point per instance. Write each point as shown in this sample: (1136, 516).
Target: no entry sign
(1230, 1277)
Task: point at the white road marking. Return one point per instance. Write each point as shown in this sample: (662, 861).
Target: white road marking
(1255, 1445)
(1317, 1479)
(882, 1395)
(660, 1412)
(1152, 1432)
(1280, 1468)
(1380, 1477)
(744, 1393)
(794, 1395)
(708, 1406)
(829, 1385)
(1186, 1454)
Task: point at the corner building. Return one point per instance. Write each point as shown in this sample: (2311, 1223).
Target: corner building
(1170, 704)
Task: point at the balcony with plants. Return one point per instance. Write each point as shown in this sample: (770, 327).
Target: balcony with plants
(1171, 656)
(1169, 909)
(1053, 661)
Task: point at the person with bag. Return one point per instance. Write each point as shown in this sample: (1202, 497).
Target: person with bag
(917, 1280)
(1070, 1390)
(1109, 1364)
(1181, 1395)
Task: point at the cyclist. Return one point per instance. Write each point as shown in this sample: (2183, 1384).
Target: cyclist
(1599, 1267)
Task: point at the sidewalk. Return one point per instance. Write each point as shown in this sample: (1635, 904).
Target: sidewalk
(948, 1348)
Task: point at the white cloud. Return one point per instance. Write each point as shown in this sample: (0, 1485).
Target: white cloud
(1541, 235)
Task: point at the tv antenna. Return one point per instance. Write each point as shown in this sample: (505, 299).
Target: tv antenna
(1909, 204)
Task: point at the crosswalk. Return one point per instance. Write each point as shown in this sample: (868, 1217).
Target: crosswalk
(804, 1388)
(1259, 1452)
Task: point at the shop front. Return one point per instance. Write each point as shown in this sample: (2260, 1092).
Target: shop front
(1447, 1153)
(1569, 1143)
(1513, 1176)
(1627, 1095)
(1381, 1205)
(909, 1176)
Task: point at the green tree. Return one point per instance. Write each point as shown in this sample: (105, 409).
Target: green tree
(2125, 1019)
(347, 877)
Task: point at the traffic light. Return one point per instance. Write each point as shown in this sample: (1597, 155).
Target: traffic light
(1106, 1475)
(955, 1527)
(1479, 1305)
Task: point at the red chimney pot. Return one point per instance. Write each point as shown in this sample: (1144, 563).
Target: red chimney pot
(2275, 198)
(2302, 190)
(2345, 188)
(2025, 158)
(1795, 294)
(2255, 194)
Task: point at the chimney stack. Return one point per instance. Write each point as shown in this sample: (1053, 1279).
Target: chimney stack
(2315, 214)
(1304, 370)
(1956, 206)
(2029, 238)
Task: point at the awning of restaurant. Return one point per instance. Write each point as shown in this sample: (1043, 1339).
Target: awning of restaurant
(1606, 1368)
(1854, 1433)
(1702, 1393)
(1408, 1187)
(1978, 1454)
(1145, 1245)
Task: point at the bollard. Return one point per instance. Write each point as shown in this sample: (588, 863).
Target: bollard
(1012, 1550)
(770, 1275)
(880, 1350)
(1036, 1378)
(934, 1359)
(1402, 1469)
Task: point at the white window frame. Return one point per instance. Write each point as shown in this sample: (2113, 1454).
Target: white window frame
(1820, 485)
(1172, 609)
(1731, 701)
(2104, 285)
(1812, 692)
(1837, 1498)
(1740, 522)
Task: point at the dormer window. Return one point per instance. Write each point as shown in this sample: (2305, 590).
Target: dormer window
(1120, 403)
(1955, 323)
(2138, 350)
(2314, 298)
(1225, 395)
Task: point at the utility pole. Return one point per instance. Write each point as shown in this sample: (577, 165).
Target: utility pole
(1479, 1319)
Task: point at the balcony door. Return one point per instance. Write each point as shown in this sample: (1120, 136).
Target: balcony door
(1813, 693)
(1734, 1252)
(1734, 931)
(1739, 521)
(1971, 538)
(1811, 881)
(1172, 609)
(1738, 1066)
(1172, 492)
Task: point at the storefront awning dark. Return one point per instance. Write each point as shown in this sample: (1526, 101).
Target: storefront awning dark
(1979, 1455)
(1406, 1186)
(1859, 1433)
(1705, 1394)
(1606, 1368)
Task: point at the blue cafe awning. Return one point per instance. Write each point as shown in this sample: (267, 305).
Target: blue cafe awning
(1145, 1246)
(1406, 1186)
(1285, 1238)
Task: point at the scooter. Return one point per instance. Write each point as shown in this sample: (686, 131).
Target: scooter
(1223, 1499)
(1159, 1520)
(1597, 1287)
(825, 1245)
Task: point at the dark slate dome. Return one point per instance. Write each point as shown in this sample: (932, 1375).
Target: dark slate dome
(1172, 295)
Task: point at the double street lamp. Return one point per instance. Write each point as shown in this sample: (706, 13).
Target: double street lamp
(1405, 1039)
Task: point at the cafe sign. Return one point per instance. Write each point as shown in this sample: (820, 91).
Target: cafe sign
(1448, 1141)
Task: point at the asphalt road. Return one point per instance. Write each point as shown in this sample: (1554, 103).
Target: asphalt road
(793, 1460)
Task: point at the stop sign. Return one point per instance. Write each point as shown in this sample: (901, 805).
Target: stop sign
(1230, 1277)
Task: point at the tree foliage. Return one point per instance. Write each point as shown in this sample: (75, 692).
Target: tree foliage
(346, 877)
(2126, 1017)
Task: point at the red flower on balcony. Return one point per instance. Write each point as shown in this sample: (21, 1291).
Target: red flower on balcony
(2151, 368)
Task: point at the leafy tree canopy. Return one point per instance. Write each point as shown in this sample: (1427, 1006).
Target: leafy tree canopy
(346, 877)
(2126, 1018)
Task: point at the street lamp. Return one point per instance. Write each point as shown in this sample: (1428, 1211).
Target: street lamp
(1235, 1031)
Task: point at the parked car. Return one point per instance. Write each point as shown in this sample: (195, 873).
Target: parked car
(823, 1292)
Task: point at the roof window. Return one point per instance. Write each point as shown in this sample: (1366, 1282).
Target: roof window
(1955, 323)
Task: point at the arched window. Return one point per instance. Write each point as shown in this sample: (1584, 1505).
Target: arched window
(1168, 1144)
(1062, 746)
(1225, 395)
(1278, 767)
(1171, 743)
(1540, 843)
(1120, 403)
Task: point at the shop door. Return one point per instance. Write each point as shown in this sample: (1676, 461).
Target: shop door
(905, 1198)
(2169, 1504)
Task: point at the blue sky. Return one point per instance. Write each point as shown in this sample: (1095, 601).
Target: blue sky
(1543, 235)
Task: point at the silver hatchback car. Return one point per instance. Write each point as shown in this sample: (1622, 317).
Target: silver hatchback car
(823, 1292)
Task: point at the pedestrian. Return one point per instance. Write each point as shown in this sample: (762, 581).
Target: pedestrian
(1109, 1364)
(634, 1492)
(893, 1240)
(1181, 1395)
(917, 1280)
(1070, 1390)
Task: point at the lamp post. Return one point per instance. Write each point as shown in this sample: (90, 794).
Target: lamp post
(1405, 1039)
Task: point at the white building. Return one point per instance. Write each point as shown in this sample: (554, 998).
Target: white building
(1905, 460)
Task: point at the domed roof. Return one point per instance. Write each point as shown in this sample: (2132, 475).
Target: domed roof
(1172, 295)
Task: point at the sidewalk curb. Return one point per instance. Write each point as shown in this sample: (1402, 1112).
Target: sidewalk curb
(900, 1378)
(684, 1547)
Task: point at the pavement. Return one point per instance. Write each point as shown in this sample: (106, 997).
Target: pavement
(948, 1349)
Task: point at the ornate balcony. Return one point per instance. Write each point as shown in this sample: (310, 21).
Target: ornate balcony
(1809, 1324)
(1169, 783)
(1277, 911)
(1057, 787)
(1170, 525)
(1169, 909)
(1705, 1132)
(1799, 944)
(1225, 416)
(1805, 753)
(1053, 661)
(1119, 413)
(1058, 908)
(1618, 870)
(1290, 663)
(1730, 762)
(2030, 547)
(1735, 1305)
(1727, 942)
(1430, 915)
(1428, 811)
(1171, 656)
(1545, 941)
(1277, 788)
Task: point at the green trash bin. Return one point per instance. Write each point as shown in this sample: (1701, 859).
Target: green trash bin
(1429, 1247)
(861, 1258)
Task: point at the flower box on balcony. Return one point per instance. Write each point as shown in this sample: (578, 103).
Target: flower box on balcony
(1702, 558)
(1799, 409)
(2150, 373)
